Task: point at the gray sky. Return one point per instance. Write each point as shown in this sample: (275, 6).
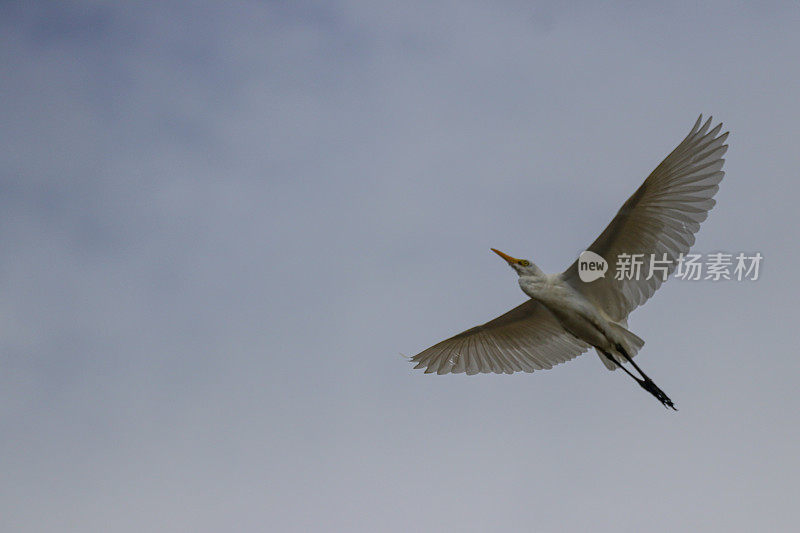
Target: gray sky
(220, 227)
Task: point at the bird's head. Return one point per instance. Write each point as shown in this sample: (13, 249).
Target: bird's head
(523, 267)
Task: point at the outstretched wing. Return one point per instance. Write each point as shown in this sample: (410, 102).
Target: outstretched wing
(660, 218)
(527, 338)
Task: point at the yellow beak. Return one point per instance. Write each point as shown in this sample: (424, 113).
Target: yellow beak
(507, 257)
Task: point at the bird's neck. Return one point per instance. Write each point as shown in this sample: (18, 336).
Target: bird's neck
(537, 285)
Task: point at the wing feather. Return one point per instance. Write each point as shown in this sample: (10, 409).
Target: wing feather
(660, 218)
(525, 339)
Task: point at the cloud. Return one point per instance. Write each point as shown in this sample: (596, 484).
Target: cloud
(220, 227)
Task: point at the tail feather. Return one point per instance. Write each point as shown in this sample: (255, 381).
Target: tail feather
(631, 342)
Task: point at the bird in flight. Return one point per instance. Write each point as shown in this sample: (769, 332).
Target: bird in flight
(565, 316)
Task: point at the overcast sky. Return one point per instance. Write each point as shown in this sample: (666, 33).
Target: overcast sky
(221, 226)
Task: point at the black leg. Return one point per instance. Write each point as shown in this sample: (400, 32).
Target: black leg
(628, 358)
(646, 383)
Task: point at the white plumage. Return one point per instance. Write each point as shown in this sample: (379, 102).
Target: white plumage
(565, 315)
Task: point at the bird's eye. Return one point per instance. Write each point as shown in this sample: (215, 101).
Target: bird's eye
(525, 263)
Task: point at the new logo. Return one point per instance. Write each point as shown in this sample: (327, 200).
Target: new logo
(591, 266)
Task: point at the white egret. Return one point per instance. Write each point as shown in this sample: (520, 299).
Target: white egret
(566, 316)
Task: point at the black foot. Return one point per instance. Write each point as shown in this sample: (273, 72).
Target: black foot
(660, 395)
